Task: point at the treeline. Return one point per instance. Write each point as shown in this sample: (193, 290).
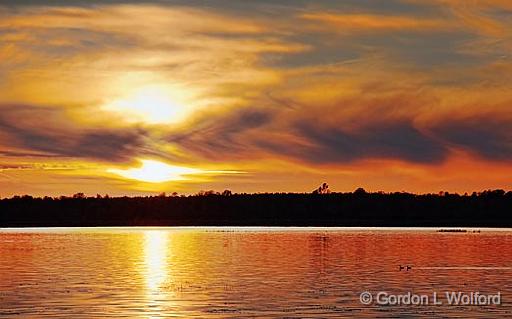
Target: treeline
(359, 208)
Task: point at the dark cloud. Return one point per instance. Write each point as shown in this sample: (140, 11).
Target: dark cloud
(49, 131)
(256, 133)
(389, 6)
(264, 133)
(264, 8)
(395, 140)
(260, 133)
(490, 138)
(222, 136)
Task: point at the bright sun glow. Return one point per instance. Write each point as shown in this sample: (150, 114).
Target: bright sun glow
(156, 172)
(151, 104)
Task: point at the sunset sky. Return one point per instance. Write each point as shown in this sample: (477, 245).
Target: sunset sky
(140, 97)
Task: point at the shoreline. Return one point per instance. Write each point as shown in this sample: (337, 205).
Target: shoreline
(467, 230)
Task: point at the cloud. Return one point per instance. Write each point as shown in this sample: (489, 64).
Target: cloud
(487, 17)
(9, 167)
(305, 134)
(395, 140)
(346, 23)
(484, 136)
(103, 53)
(222, 136)
(390, 125)
(313, 143)
(49, 131)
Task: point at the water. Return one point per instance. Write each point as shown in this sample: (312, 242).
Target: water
(246, 273)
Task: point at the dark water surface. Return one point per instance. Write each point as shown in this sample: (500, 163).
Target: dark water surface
(247, 273)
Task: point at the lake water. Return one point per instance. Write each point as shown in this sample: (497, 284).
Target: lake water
(247, 273)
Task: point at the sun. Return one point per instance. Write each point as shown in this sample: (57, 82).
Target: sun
(152, 171)
(154, 104)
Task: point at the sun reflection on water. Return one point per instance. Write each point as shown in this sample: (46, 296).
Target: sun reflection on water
(156, 255)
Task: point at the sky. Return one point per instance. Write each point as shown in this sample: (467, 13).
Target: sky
(142, 97)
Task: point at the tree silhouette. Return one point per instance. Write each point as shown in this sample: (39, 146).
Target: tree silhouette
(323, 189)
(227, 192)
(490, 208)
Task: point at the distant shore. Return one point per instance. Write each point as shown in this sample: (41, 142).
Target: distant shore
(357, 209)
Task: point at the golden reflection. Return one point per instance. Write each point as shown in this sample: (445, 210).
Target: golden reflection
(156, 247)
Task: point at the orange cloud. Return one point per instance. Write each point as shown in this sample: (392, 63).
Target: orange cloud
(355, 22)
(478, 15)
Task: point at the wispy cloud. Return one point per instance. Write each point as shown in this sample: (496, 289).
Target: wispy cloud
(347, 23)
(51, 131)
